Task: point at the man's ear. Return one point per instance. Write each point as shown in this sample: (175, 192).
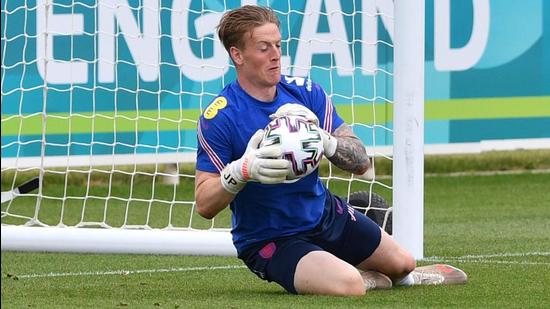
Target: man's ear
(236, 55)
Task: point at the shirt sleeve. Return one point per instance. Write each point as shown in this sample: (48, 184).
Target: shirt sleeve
(214, 145)
(323, 107)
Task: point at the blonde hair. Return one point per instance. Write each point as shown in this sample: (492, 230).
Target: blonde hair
(238, 22)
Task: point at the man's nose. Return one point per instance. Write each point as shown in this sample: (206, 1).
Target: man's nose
(276, 55)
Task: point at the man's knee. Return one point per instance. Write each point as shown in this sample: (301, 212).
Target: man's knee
(391, 260)
(352, 285)
(408, 264)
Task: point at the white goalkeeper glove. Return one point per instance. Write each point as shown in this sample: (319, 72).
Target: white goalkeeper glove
(329, 143)
(262, 164)
(293, 109)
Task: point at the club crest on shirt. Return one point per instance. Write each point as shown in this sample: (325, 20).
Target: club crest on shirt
(212, 109)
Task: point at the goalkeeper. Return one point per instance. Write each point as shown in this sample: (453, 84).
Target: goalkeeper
(296, 234)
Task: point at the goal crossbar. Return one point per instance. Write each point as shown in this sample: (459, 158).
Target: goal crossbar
(133, 241)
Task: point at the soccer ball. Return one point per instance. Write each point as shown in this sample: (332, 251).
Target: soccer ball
(301, 142)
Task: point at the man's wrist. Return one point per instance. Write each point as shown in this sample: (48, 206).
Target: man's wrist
(330, 145)
(231, 182)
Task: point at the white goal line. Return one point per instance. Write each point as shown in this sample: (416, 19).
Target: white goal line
(123, 272)
(485, 258)
(497, 255)
(489, 258)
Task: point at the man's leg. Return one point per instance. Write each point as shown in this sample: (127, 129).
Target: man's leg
(320, 272)
(397, 263)
(390, 259)
(304, 268)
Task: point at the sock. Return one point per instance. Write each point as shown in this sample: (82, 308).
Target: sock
(407, 280)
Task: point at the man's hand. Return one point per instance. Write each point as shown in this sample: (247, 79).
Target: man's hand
(293, 109)
(329, 143)
(263, 164)
(369, 174)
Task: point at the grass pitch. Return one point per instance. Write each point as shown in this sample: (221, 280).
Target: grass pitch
(495, 227)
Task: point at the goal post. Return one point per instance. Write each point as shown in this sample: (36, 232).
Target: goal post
(100, 100)
(408, 130)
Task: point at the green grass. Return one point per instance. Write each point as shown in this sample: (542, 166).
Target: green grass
(495, 227)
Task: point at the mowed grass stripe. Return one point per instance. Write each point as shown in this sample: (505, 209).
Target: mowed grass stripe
(365, 113)
(501, 219)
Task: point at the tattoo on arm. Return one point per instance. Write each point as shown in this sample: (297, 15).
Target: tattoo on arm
(350, 153)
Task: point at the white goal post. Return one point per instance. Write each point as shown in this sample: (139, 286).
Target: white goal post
(408, 131)
(100, 101)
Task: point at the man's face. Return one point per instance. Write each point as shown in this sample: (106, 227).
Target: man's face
(260, 59)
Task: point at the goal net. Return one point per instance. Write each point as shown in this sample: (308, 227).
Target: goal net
(100, 101)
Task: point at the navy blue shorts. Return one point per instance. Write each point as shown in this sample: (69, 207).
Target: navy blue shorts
(343, 231)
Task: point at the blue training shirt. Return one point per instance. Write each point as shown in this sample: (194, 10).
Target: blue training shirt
(261, 211)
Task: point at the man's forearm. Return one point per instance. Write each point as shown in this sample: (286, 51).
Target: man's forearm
(211, 197)
(350, 153)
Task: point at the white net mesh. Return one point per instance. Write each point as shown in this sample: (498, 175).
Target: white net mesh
(100, 101)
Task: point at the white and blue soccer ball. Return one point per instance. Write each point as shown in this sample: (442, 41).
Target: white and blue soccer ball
(301, 143)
